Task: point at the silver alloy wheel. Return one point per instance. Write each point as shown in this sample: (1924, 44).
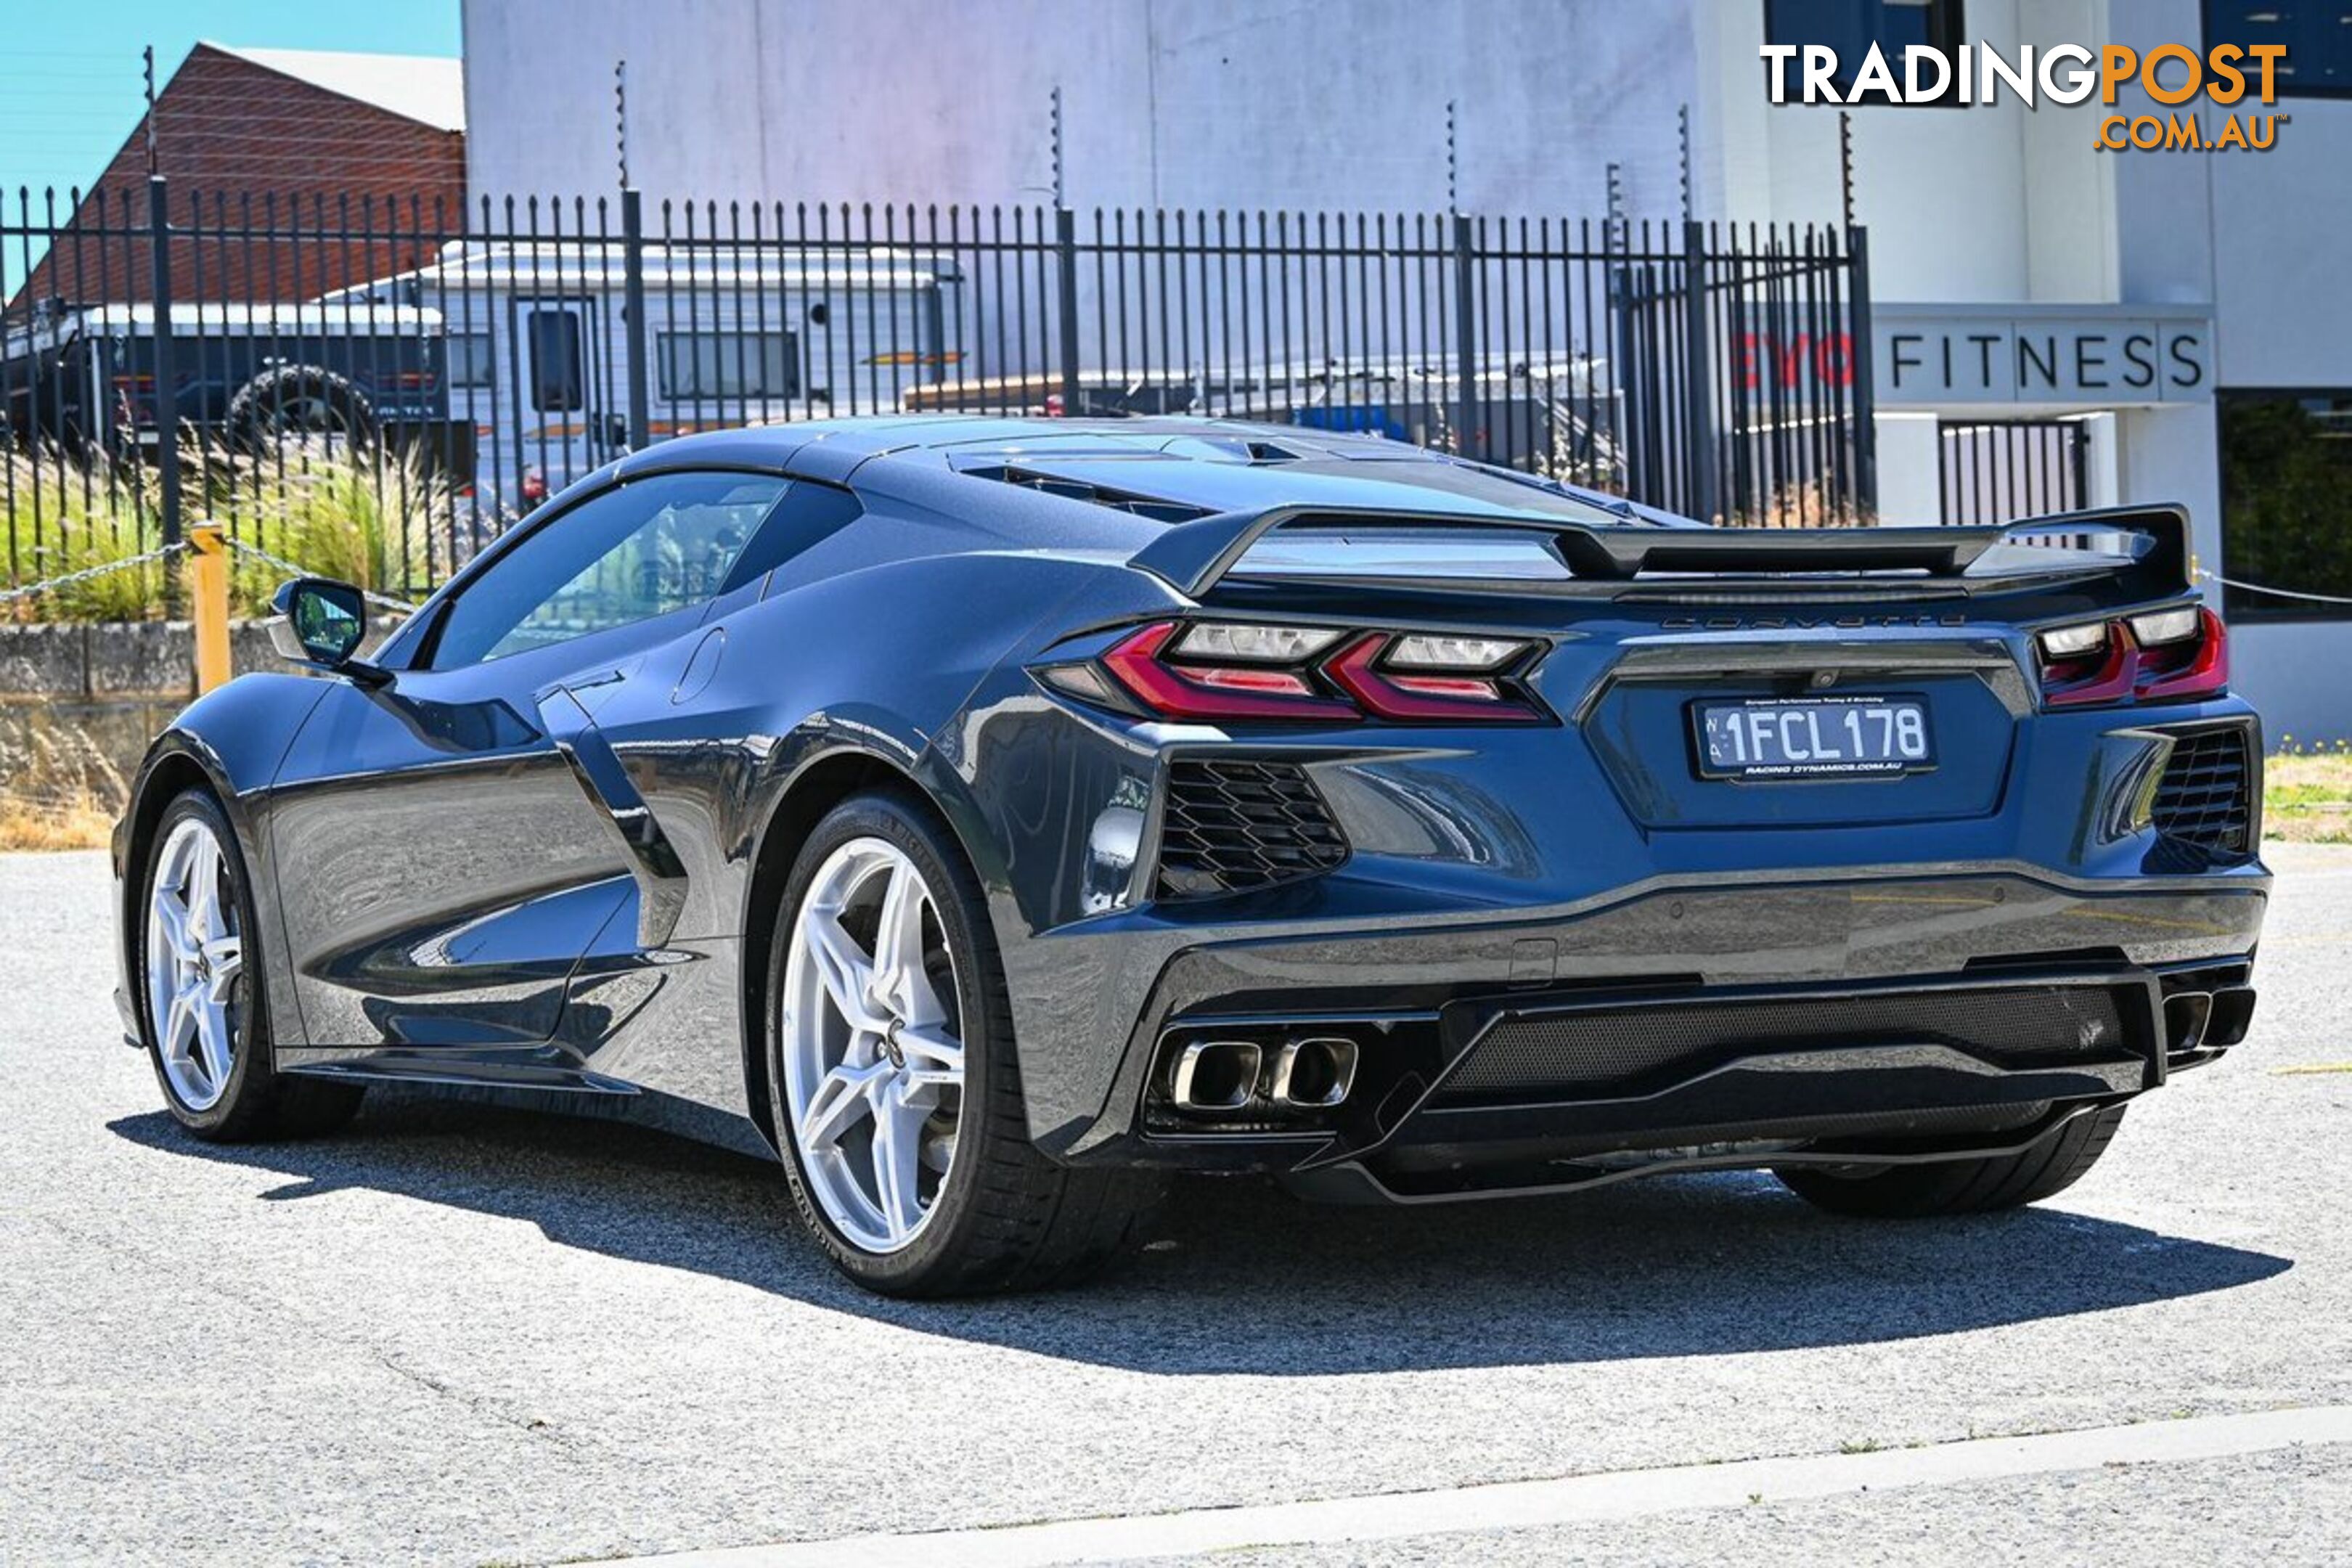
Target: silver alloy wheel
(196, 957)
(873, 1057)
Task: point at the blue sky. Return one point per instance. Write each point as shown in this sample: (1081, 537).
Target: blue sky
(69, 87)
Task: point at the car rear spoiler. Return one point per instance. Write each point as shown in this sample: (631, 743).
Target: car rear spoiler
(2146, 546)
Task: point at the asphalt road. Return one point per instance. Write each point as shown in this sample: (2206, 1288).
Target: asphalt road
(461, 1335)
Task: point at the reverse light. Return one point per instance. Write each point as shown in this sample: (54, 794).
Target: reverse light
(1254, 644)
(2074, 642)
(2165, 626)
(1452, 653)
(1217, 669)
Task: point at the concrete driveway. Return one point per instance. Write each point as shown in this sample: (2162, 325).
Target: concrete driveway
(463, 1335)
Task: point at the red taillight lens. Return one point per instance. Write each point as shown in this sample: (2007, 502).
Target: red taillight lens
(1213, 692)
(1420, 693)
(1215, 671)
(2127, 667)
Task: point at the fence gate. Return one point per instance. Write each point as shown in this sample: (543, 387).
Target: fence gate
(1997, 471)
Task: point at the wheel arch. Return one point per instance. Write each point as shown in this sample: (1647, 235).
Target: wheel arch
(176, 764)
(813, 789)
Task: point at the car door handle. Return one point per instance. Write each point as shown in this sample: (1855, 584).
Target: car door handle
(653, 860)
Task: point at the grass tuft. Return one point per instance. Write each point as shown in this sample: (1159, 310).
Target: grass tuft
(58, 790)
(2307, 793)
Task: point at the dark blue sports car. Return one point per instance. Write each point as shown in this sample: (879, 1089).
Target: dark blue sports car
(988, 819)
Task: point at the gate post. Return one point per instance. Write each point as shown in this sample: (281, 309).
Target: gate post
(1465, 339)
(1858, 355)
(1698, 383)
(1066, 248)
(633, 286)
(167, 374)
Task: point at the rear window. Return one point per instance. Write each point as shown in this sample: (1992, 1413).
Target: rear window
(1453, 554)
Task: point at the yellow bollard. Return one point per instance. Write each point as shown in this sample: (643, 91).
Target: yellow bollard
(208, 593)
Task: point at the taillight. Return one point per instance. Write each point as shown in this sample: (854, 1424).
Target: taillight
(1218, 670)
(2164, 656)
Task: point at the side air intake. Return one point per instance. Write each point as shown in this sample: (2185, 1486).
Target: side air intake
(1232, 825)
(1093, 494)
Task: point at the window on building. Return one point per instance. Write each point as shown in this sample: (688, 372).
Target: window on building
(1851, 27)
(554, 339)
(469, 359)
(2318, 40)
(728, 365)
(2286, 501)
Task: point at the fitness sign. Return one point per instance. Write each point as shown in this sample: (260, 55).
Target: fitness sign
(2174, 76)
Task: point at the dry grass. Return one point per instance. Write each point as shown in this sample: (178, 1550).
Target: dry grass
(57, 789)
(2307, 793)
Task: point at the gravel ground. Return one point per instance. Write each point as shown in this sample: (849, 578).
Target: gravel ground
(462, 1335)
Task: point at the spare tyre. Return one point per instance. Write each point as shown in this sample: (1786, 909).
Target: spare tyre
(300, 401)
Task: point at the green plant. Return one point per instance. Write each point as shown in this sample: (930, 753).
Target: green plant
(360, 515)
(63, 517)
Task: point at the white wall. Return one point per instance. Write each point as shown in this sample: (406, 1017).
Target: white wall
(1982, 203)
(1267, 103)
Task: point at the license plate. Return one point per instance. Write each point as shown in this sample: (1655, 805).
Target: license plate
(1812, 737)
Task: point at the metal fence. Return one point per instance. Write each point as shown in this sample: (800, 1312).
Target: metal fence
(2000, 471)
(486, 358)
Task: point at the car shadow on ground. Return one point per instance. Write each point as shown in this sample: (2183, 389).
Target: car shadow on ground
(1241, 1278)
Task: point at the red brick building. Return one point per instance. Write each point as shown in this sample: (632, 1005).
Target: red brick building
(279, 143)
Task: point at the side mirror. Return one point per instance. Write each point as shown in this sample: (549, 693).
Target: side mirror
(323, 622)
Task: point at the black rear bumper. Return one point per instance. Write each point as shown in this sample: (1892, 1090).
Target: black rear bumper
(1522, 1092)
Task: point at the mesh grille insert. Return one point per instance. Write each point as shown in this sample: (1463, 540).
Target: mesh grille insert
(1234, 824)
(2205, 796)
(1608, 1050)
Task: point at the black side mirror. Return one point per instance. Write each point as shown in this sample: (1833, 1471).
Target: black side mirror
(323, 622)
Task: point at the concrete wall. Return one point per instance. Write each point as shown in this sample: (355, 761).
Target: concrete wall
(1255, 103)
(126, 661)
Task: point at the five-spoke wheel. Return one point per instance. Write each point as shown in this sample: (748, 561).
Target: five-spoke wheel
(893, 1084)
(872, 1054)
(195, 964)
(203, 1003)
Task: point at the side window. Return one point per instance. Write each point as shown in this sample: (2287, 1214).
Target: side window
(554, 339)
(640, 550)
(727, 365)
(809, 513)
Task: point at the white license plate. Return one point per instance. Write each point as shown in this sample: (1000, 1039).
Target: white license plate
(1812, 737)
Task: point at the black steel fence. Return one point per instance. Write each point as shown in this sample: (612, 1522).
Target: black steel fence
(2000, 471)
(389, 386)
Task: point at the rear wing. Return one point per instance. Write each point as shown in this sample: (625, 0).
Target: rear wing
(2145, 548)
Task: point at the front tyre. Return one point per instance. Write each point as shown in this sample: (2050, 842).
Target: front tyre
(1961, 1186)
(892, 1080)
(202, 998)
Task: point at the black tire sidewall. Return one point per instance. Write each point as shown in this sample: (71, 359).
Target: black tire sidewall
(249, 1073)
(986, 1030)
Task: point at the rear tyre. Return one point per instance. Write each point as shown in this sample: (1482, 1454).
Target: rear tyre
(893, 1082)
(203, 1005)
(1961, 1186)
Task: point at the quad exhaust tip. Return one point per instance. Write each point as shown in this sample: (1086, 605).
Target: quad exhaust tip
(1316, 1073)
(1218, 1075)
(1313, 1072)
